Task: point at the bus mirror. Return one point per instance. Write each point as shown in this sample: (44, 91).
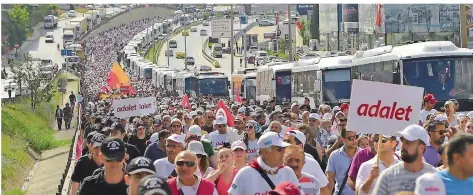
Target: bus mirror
(319, 75)
(317, 85)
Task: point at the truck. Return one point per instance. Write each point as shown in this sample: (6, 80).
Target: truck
(81, 25)
(101, 13)
(91, 18)
(50, 21)
(68, 35)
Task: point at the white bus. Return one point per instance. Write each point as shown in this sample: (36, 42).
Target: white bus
(304, 80)
(249, 85)
(274, 80)
(439, 67)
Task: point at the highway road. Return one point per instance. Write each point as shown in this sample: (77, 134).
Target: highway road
(194, 49)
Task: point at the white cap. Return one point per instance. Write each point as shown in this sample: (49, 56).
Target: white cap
(196, 147)
(196, 130)
(441, 117)
(220, 120)
(327, 117)
(415, 132)
(177, 138)
(241, 109)
(269, 139)
(298, 135)
(470, 115)
(336, 108)
(193, 113)
(294, 104)
(154, 138)
(429, 184)
(238, 144)
(314, 116)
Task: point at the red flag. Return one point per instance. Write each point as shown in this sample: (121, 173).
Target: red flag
(299, 25)
(104, 89)
(238, 98)
(223, 110)
(378, 15)
(185, 102)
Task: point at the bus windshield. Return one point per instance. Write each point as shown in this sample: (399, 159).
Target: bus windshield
(446, 78)
(47, 20)
(67, 37)
(148, 73)
(213, 86)
(250, 88)
(337, 85)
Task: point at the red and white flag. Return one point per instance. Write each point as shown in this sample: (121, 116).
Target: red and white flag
(299, 25)
(223, 110)
(185, 102)
(378, 15)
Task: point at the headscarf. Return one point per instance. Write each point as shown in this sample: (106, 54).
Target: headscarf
(256, 126)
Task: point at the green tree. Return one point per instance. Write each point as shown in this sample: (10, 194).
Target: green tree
(205, 16)
(28, 74)
(18, 25)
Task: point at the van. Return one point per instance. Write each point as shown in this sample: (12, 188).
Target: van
(172, 44)
(261, 54)
(49, 37)
(217, 50)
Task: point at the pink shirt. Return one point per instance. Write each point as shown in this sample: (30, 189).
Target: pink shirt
(222, 187)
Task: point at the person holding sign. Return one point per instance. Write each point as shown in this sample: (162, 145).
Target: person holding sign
(370, 170)
(402, 176)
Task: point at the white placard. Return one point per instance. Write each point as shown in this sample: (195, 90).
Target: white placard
(134, 107)
(382, 107)
(221, 28)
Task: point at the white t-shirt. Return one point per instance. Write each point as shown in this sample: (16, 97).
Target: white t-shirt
(249, 182)
(163, 167)
(218, 139)
(240, 136)
(192, 190)
(365, 171)
(313, 168)
(252, 150)
(424, 113)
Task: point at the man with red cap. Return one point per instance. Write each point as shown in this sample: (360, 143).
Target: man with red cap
(428, 107)
(344, 108)
(285, 188)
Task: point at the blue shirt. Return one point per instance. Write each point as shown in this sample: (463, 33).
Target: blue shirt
(339, 163)
(431, 156)
(454, 186)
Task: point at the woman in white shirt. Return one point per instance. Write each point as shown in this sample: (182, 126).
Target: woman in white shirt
(252, 133)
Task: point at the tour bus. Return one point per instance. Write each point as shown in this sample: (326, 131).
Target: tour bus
(186, 82)
(157, 30)
(304, 80)
(237, 83)
(274, 80)
(185, 19)
(169, 79)
(249, 85)
(156, 73)
(213, 83)
(440, 67)
(146, 71)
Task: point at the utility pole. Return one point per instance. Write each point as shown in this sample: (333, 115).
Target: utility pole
(185, 41)
(289, 19)
(244, 48)
(167, 51)
(231, 37)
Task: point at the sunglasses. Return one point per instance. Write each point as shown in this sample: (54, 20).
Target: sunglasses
(249, 127)
(187, 163)
(351, 138)
(199, 155)
(441, 132)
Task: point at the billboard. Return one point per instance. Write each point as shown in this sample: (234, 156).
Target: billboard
(303, 9)
(421, 18)
(349, 12)
(468, 25)
(328, 14)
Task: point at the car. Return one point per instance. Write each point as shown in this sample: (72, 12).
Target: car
(71, 13)
(168, 53)
(205, 23)
(203, 32)
(194, 29)
(49, 37)
(226, 50)
(180, 55)
(265, 23)
(189, 60)
(286, 21)
(172, 44)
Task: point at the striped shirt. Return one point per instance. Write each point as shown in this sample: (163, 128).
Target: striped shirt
(396, 179)
(309, 184)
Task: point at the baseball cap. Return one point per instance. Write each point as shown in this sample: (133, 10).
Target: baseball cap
(294, 104)
(196, 130)
(140, 164)
(336, 108)
(154, 138)
(113, 149)
(196, 147)
(220, 120)
(152, 184)
(269, 139)
(470, 115)
(415, 132)
(298, 135)
(158, 122)
(90, 136)
(97, 139)
(430, 98)
(327, 117)
(238, 144)
(177, 138)
(314, 116)
(285, 188)
(344, 107)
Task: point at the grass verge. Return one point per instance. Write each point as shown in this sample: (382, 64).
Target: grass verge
(82, 10)
(23, 128)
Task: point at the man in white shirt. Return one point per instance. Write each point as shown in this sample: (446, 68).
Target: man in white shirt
(294, 157)
(165, 166)
(239, 127)
(249, 180)
(222, 135)
(310, 166)
(370, 169)
(429, 103)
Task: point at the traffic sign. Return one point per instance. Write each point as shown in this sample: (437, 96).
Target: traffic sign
(221, 28)
(286, 36)
(66, 52)
(62, 83)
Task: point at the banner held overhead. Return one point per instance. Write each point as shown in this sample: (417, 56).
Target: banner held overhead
(123, 108)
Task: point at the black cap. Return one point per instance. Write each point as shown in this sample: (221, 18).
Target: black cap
(113, 149)
(90, 135)
(140, 164)
(152, 184)
(97, 139)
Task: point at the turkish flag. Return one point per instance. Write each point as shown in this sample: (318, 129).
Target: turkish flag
(378, 16)
(185, 102)
(223, 110)
(299, 25)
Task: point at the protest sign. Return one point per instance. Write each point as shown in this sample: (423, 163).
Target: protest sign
(382, 107)
(134, 106)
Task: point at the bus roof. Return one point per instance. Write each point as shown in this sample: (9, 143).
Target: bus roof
(335, 62)
(410, 51)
